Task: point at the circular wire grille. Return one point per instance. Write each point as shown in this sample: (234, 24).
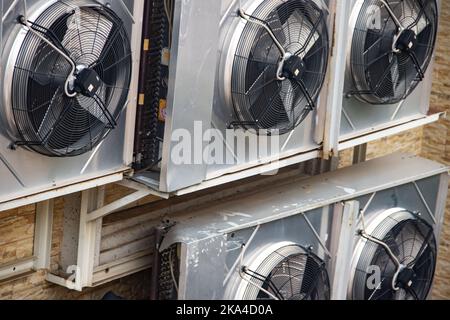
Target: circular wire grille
(260, 100)
(48, 121)
(381, 75)
(291, 273)
(413, 243)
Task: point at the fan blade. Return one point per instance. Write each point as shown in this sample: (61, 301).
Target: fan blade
(414, 10)
(50, 116)
(421, 25)
(287, 95)
(48, 79)
(92, 107)
(305, 32)
(277, 28)
(395, 75)
(74, 129)
(263, 101)
(293, 27)
(265, 50)
(87, 35)
(310, 277)
(424, 34)
(418, 255)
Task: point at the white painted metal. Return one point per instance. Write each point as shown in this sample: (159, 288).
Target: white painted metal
(204, 233)
(267, 169)
(43, 195)
(29, 177)
(103, 211)
(344, 229)
(354, 123)
(89, 235)
(43, 234)
(16, 268)
(209, 99)
(337, 69)
(377, 135)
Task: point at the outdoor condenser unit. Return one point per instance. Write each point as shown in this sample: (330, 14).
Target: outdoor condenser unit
(389, 64)
(321, 238)
(68, 76)
(248, 68)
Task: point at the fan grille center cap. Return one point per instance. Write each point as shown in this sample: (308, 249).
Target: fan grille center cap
(406, 278)
(407, 40)
(293, 67)
(88, 82)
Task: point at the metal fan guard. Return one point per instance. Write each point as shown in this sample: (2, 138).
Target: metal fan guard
(365, 250)
(360, 82)
(47, 15)
(274, 257)
(261, 9)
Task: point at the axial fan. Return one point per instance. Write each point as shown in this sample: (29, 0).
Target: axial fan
(401, 249)
(71, 71)
(290, 272)
(279, 65)
(391, 48)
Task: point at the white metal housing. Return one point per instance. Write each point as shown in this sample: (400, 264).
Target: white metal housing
(199, 92)
(205, 237)
(29, 177)
(352, 122)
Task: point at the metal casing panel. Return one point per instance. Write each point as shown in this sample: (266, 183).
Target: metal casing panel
(301, 196)
(213, 259)
(191, 86)
(278, 212)
(360, 118)
(425, 197)
(306, 137)
(196, 81)
(26, 173)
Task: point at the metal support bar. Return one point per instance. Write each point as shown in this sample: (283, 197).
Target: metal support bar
(118, 205)
(43, 234)
(343, 233)
(351, 141)
(425, 203)
(61, 191)
(89, 236)
(16, 268)
(316, 234)
(336, 83)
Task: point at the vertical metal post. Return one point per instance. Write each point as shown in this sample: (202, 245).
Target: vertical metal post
(43, 234)
(89, 237)
(343, 10)
(342, 242)
(154, 289)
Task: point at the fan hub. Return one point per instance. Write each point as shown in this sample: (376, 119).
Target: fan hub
(406, 278)
(87, 82)
(406, 40)
(293, 67)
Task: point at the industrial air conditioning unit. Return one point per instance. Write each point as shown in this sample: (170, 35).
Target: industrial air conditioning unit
(68, 76)
(389, 64)
(226, 71)
(365, 232)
